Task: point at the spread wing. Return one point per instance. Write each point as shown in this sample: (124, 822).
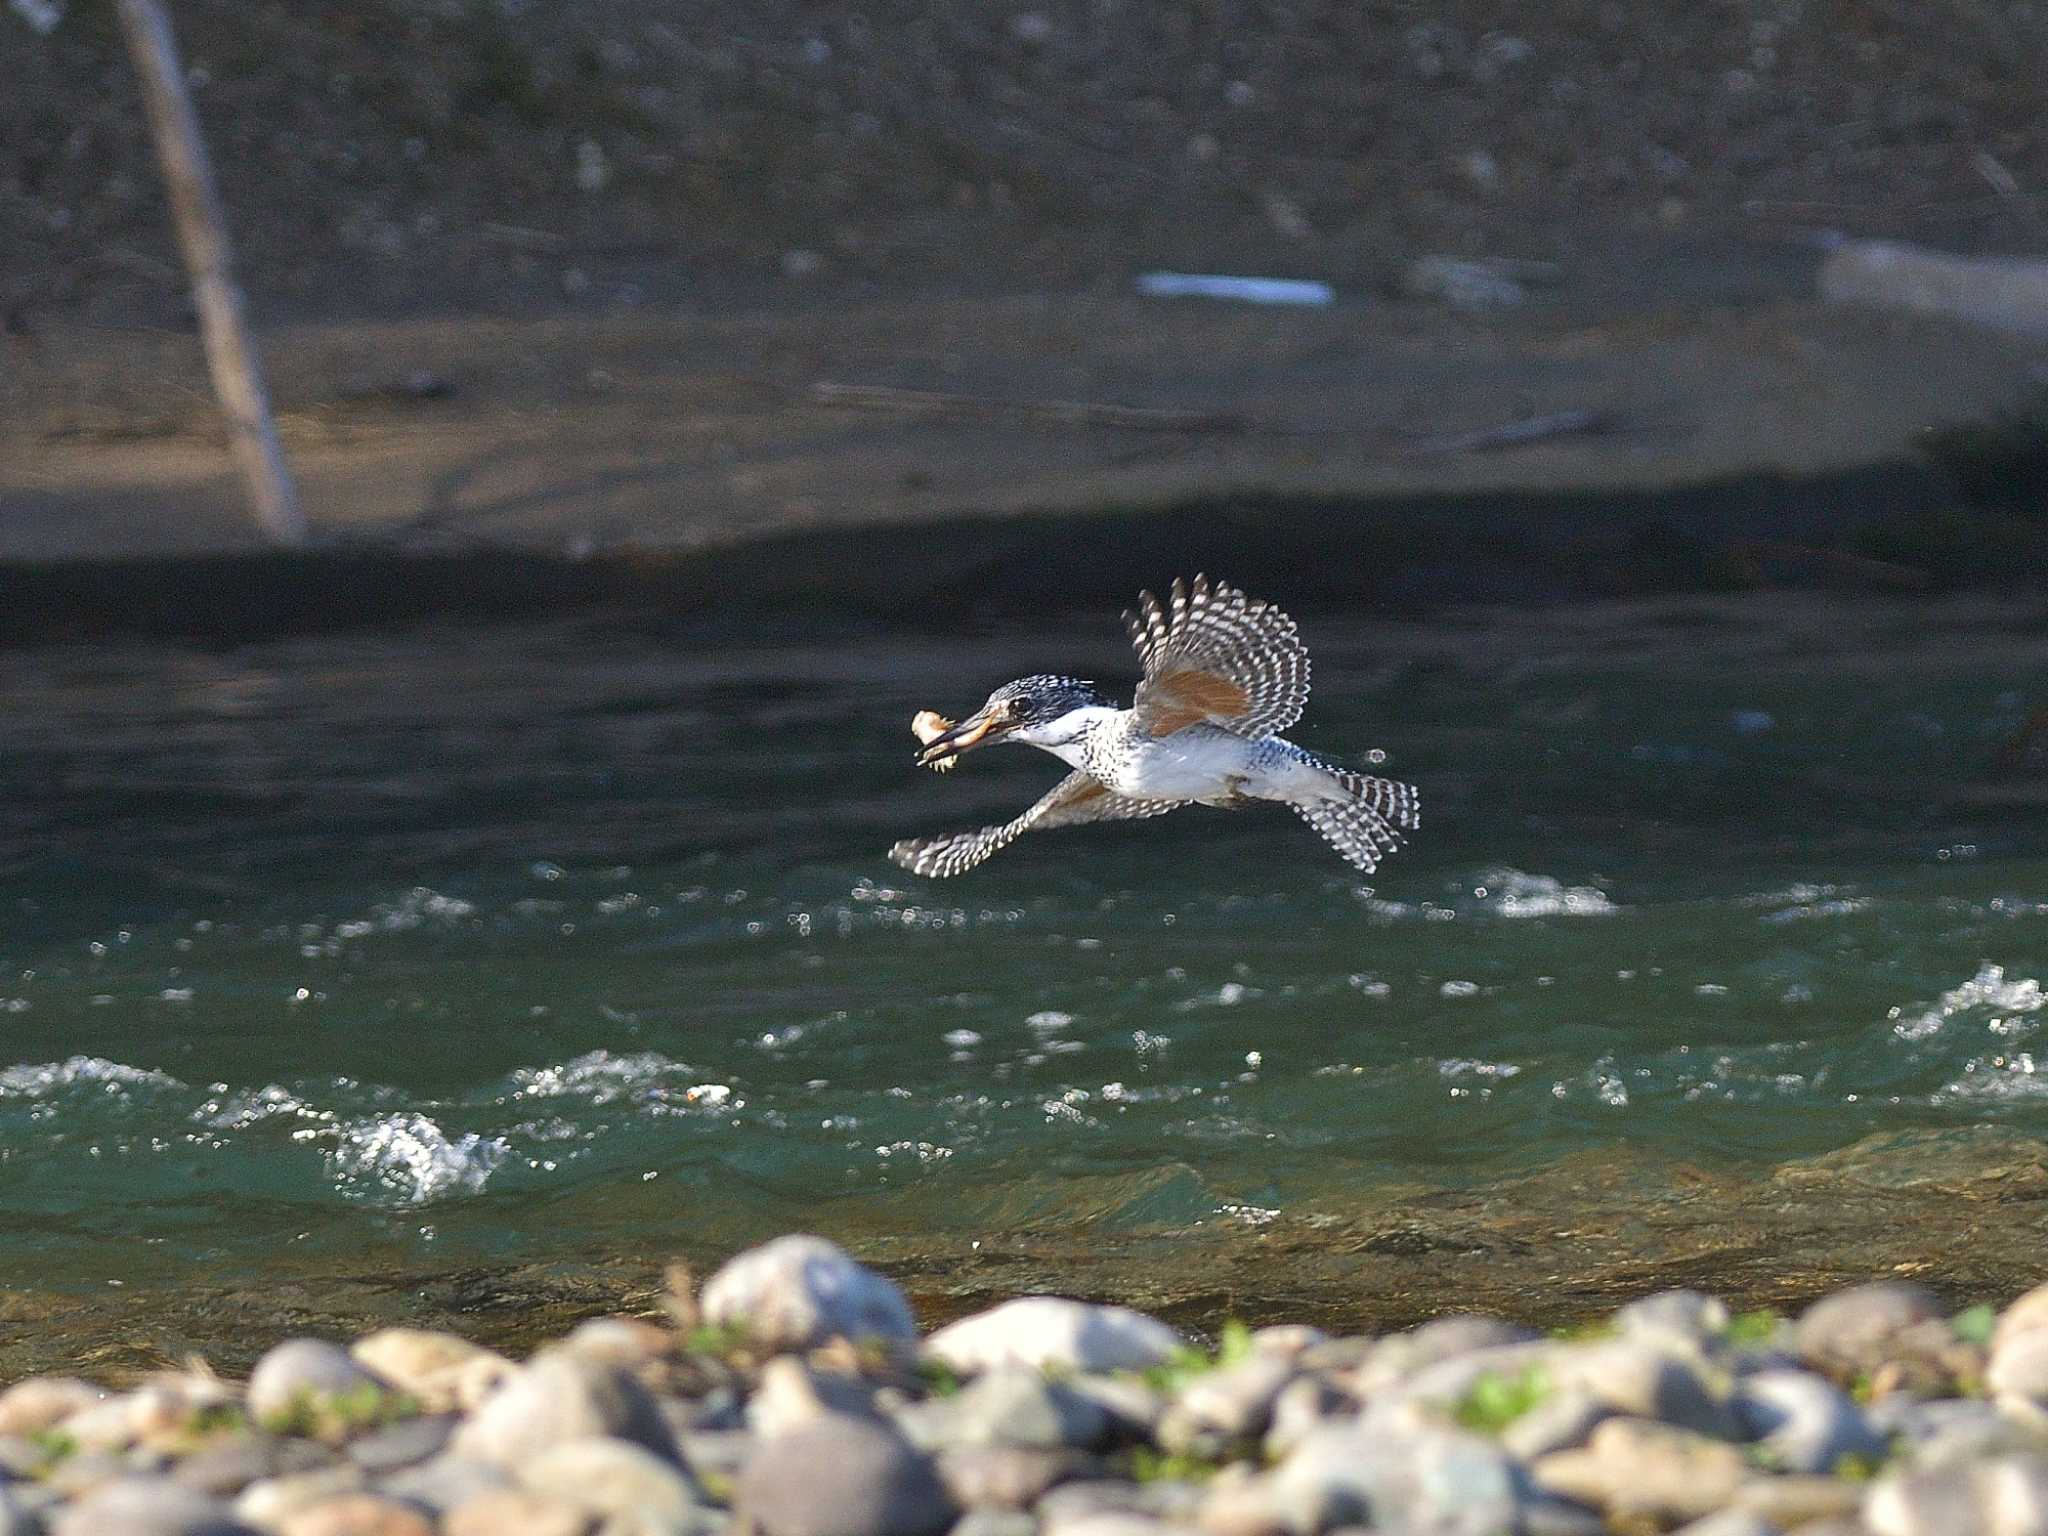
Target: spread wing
(1212, 654)
(1076, 800)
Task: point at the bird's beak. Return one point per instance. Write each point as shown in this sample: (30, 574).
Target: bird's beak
(978, 729)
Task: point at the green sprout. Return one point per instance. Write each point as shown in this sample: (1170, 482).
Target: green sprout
(1976, 1325)
(337, 1415)
(1233, 1345)
(1753, 1330)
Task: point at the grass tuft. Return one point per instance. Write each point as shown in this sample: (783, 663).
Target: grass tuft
(1499, 1398)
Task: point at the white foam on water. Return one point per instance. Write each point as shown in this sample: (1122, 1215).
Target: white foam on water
(1513, 893)
(1988, 989)
(410, 1159)
(654, 1083)
(236, 1111)
(414, 909)
(41, 1080)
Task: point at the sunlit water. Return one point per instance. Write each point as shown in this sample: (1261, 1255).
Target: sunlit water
(350, 963)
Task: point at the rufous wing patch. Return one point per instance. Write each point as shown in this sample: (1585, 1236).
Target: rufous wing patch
(1189, 696)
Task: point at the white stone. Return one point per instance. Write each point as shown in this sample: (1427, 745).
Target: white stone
(1043, 1331)
(799, 1291)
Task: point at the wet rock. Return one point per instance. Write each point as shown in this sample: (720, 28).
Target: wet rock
(227, 1464)
(517, 1512)
(302, 1370)
(1685, 1318)
(357, 1514)
(147, 1506)
(441, 1371)
(560, 1395)
(1401, 1356)
(1636, 1469)
(614, 1477)
(1042, 1331)
(799, 1291)
(1006, 1476)
(842, 1476)
(1804, 1423)
(1639, 1381)
(44, 1402)
(445, 1483)
(1853, 1331)
(1013, 1406)
(403, 1444)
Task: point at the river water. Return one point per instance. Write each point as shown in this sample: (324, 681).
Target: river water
(466, 975)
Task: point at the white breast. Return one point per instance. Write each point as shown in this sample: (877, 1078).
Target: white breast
(1199, 763)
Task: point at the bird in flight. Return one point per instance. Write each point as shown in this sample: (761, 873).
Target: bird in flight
(1224, 675)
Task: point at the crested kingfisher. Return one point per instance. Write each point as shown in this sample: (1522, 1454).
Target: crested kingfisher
(1224, 675)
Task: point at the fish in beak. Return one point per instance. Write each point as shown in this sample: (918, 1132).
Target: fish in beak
(944, 740)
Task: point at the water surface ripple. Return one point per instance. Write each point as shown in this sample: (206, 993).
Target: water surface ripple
(479, 951)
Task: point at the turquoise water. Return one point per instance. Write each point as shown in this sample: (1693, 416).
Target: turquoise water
(415, 966)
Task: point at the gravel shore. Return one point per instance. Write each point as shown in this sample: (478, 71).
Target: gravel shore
(793, 1396)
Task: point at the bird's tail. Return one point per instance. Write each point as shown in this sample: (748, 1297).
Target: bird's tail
(1363, 817)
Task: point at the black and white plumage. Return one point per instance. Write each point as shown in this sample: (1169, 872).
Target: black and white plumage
(1224, 675)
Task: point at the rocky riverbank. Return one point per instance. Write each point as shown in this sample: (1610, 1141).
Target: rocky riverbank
(793, 1396)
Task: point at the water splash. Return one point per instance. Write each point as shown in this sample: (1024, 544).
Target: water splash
(1988, 989)
(410, 1159)
(116, 1079)
(1512, 893)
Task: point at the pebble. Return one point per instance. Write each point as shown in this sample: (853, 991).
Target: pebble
(43, 1402)
(842, 1476)
(1804, 1423)
(227, 1464)
(1052, 1332)
(356, 1514)
(613, 1477)
(517, 1512)
(799, 1291)
(561, 1395)
(623, 1429)
(1636, 1469)
(299, 1370)
(1849, 1331)
(147, 1506)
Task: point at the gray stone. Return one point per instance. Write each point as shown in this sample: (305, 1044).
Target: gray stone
(1674, 1317)
(147, 1506)
(1161, 1500)
(995, 1522)
(842, 1476)
(1432, 1478)
(515, 1512)
(305, 1369)
(1853, 1330)
(1110, 1523)
(1396, 1359)
(17, 1516)
(1225, 1407)
(799, 1291)
(1961, 1421)
(1134, 1408)
(404, 1444)
(227, 1464)
(1007, 1476)
(717, 1453)
(446, 1483)
(1805, 1423)
(614, 1477)
(1636, 1470)
(1013, 1406)
(1940, 1501)
(44, 1402)
(1640, 1381)
(1445, 1382)
(790, 1393)
(1562, 1421)
(561, 1395)
(2012, 1494)
(1043, 1331)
